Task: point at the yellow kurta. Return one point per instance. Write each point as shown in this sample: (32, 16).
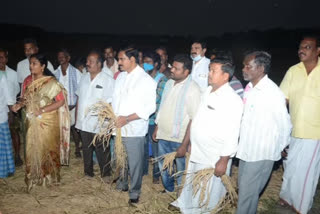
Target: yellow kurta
(303, 93)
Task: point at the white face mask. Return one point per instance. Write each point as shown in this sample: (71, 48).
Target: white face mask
(197, 58)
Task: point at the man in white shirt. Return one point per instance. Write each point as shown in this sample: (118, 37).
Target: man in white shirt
(134, 100)
(69, 77)
(214, 137)
(265, 130)
(110, 61)
(200, 68)
(23, 70)
(180, 100)
(14, 89)
(6, 158)
(94, 86)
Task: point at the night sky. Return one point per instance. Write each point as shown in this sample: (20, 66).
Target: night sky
(162, 17)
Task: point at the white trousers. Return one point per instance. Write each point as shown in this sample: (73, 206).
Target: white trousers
(190, 204)
(301, 173)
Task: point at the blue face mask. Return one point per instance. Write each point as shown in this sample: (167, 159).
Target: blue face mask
(147, 67)
(197, 58)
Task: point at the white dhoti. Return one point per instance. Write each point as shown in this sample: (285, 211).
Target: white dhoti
(301, 174)
(190, 204)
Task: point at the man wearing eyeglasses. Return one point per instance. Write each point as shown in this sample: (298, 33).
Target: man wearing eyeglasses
(301, 86)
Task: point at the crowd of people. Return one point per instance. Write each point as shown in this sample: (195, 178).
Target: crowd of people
(194, 105)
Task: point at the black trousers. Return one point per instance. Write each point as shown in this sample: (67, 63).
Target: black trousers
(103, 156)
(76, 138)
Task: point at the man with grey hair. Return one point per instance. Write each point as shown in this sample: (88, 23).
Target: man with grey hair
(265, 130)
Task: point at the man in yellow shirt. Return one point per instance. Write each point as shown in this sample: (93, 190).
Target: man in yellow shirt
(301, 86)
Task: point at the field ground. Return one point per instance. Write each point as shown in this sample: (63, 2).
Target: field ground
(77, 194)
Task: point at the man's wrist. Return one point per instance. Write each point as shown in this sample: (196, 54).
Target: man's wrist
(127, 119)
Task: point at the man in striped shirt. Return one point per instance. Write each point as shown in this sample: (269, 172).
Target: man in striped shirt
(264, 133)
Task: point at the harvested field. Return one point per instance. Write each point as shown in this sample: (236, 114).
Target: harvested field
(77, 194)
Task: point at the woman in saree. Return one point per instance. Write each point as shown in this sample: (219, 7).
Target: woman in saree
(47, 124)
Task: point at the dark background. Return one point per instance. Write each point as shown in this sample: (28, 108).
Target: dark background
(237, 25)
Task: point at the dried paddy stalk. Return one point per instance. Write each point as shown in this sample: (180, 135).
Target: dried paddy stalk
(168, 160)
(199, 183)
(106, 123)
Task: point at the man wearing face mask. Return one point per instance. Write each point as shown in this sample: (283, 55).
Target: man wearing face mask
(152, 64)
(200, 67)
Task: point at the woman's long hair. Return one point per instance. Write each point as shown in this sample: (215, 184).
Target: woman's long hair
(43, 61)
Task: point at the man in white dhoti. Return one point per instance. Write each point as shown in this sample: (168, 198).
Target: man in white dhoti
(302, 90)
(214, 137)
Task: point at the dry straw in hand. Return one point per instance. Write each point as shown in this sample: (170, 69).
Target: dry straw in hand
(106, 123)
(168, 160)
(200, 181)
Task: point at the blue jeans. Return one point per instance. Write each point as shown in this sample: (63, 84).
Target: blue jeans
(148, 151)
(166, 147)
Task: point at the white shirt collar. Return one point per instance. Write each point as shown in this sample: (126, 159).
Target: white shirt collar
(261, 84)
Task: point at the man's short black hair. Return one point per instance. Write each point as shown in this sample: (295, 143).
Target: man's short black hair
(312, 36)
(201, 42)
(131, 51)
(108, 46)
(164, 49)
(185, 60)
(227, 65)
(81, 61)
(154, 56)
(65, 51)
(99, 54)
(5, 51)
(30, 41)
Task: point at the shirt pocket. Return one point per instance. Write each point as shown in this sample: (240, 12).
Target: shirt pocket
(312, 111)
(97, 92)
(203, 76)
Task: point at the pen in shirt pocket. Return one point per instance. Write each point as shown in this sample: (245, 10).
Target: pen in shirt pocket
(210, 107)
